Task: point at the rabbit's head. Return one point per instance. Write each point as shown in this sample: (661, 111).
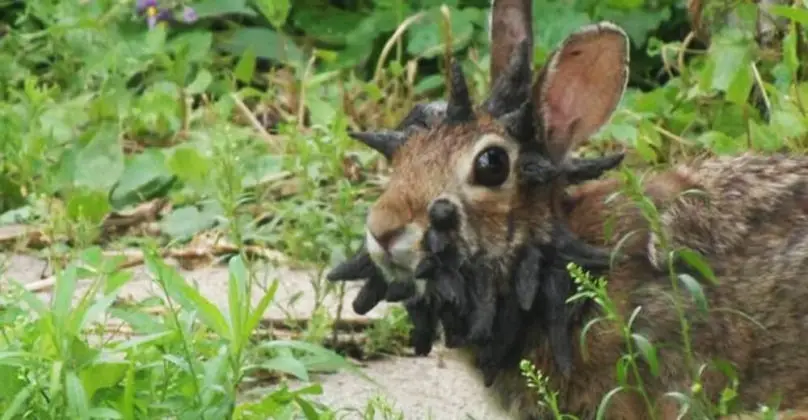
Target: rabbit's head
(489, 179)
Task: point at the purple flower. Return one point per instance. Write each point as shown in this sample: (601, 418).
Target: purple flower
(189, 14)
(154, 16)
(143, 5)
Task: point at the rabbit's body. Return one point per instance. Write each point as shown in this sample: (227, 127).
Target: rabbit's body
(480, 212)
(754, 235)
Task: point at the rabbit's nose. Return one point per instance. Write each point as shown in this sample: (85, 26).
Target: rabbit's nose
(387, 238)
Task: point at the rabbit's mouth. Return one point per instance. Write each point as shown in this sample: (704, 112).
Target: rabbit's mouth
(397, 257)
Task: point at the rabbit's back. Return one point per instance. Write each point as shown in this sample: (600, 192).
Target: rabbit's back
(748, 217)
(735, 203)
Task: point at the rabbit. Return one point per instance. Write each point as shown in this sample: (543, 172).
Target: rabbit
(425, 318)
(501, 179)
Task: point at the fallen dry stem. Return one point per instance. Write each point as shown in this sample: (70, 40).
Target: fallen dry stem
(392, 41)
(271, 140)
(301, 107)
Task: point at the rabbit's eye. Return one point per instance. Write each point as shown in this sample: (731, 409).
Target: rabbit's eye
(491, 167)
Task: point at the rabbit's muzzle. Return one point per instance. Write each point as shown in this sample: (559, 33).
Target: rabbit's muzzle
(403, 253)
(396, 253)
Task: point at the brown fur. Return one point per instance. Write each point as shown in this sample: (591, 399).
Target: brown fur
(759, 251)
(747, 216)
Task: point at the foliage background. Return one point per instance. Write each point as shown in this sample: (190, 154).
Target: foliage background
(238, 118)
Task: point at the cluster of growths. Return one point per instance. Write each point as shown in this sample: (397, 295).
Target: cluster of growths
(458, 295)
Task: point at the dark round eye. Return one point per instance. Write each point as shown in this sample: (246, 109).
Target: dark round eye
(491, 167)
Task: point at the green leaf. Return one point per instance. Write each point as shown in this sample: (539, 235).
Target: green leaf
(218, 8)
(19, 403)
(426, 39)
(189, 165)
(307, 408)
(738, 89)
(258, 313)
(265, 42)
(764, 137)
(188, 296)
(34, 302)
(428, 83)
(328, 24)
(13, 380)
(719, 143)
(201, 82)
(637, 22)
(798, 15)
(604, 403)
(88, 206)
(246, 66)
(102, 155)
(555, 22)
(624, 4)
(144, 176)
(103, 374)
(322, 112)
(98, 308)
(185, 222)
(287, 364)
(63, 294)
(695, 290)
(697, 261)
(318, 356)
(156, 39)
(129, 389)
(104, 413)
(237, 283)
(276, 11)
(626, 133)
(77, 402)
(683, 399)
(582, 336)
(790, 50)
(788, 124)
(148, 340)
(261, 170)
(622, 368)
(194, 45)
(648, 352)
(729, 61)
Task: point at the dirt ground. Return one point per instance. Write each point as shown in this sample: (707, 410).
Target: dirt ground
(422, 388)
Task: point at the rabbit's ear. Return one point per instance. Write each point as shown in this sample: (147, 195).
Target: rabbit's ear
(581, 84)
(510, 23)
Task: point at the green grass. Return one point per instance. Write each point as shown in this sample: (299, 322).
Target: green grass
(100, 114)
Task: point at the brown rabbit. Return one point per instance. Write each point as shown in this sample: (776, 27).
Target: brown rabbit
(484, 194)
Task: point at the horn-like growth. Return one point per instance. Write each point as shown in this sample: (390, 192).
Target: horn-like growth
(423, 116)
(505, 347)
(570, 248)
(424, 318)
(582, 170)
(520, 123)
(536, 169)
(357, 267)
(385, 142)
(526, 277)
(371, 293)
(460, 109)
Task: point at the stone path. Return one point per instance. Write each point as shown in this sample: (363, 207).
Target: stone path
(422, 388)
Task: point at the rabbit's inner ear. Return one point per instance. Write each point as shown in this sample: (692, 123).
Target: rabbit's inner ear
(581, 85)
